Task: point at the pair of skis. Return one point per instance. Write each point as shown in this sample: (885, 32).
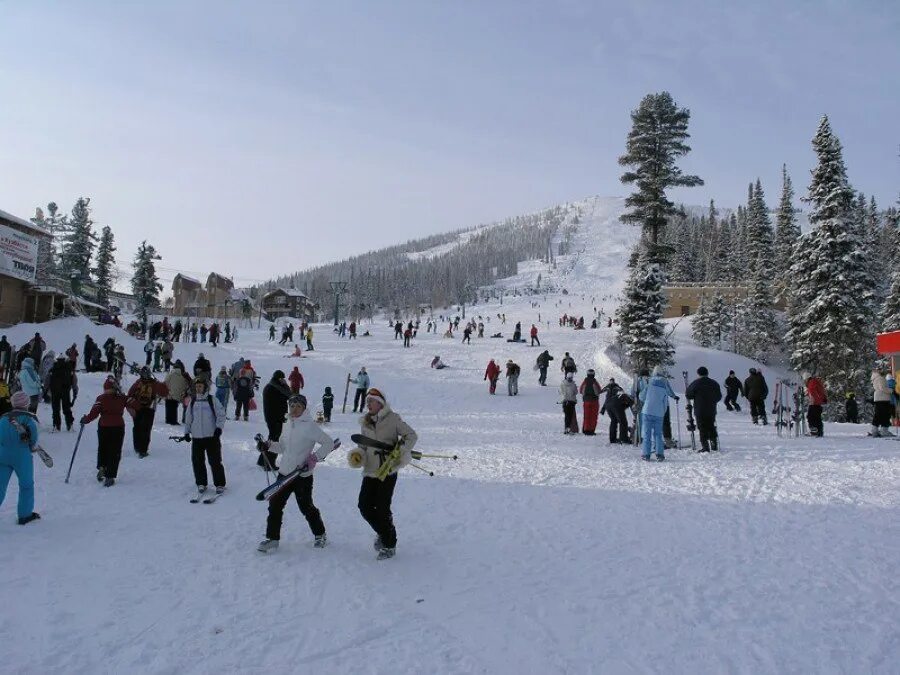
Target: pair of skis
(283, 482)
(25, 435)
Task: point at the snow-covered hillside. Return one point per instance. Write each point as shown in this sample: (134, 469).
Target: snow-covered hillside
(534, 553)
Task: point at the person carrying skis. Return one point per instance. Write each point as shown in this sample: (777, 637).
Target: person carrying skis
(543, 363)
(817, 398)
(223, 387)
(327, 403)
(375, 496)
(109, 408)
(568, 391)
(590, 397)
(62, 385)
(756, 390)
(655, 398)
(362, 386)
(295, 379)
(30, 384)
(18, 438)
(142, 399)
(178, 385)
(297, 448)
(733, 387)
(534, 336)
(706, 394)
(512, 378)
(275, 397)
(881, 395)
(492, 374)
(203, 422)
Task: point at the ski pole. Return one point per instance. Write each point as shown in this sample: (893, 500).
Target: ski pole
(72, 461)
(421, 468)
(262, 453)
(678, 423)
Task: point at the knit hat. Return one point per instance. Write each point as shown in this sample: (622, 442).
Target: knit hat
(297, 399)
(20, 400)
(752, 371)
(590, 371)
(110, 383)
(377, 395)
(702, 371)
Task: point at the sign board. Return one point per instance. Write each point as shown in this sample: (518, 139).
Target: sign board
(18, 254)
(888, 344)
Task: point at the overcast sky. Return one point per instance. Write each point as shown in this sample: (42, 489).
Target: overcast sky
(255, 138)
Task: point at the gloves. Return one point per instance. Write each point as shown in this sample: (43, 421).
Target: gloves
(217, 433)
(311, 461)
(83, 420)
(187, 438)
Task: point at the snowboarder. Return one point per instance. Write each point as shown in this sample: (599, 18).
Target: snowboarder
(18, 437)
(142, 399)
(706, 394)
(512, 378)
(492, 374)
(756, 390)
(655, 402)
(543, 363)
(733, 387)
(362, 386)
(203, 422)
(568, 390)
(590, 397)
(309, 340)
(817, 398)
(375, 495)
(110, 408)
(297, 450)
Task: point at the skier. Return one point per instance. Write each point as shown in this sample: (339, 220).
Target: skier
(590, 397)
(881, 395)
(568, 390)
(327, 403)
(223, 387)
(407, 334)
(275, 397)
(543, 363)
(492, 373)
(142, 399)
(568, 364)
(512, 378)
(706, 394)
(467, 335)
(756, 390)
(203, 422)
(62, 384)
(18, 437)
(362, 386)
(178, 384)
(655, 402)
(534, 336)
(309, 340)
(295, 379)
(733, 387)
(851, 408)
(615, 406)
(817, 398)
(297, 450)
(110, 408)
(30, 384)
(382, 424)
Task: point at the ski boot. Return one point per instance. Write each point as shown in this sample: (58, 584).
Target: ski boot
(321, 541)
(386, 553)
(267, 545)
(109, 482)
(27, 519)
(660, 458)
(645, 458)
(378, 545)
(101, 474)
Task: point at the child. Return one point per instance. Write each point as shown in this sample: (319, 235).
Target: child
(327, 403)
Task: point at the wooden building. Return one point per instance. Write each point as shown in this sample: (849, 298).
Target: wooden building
(288, 302)
(22, 296)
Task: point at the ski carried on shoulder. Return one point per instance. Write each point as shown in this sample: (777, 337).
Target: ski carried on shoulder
(25, 435)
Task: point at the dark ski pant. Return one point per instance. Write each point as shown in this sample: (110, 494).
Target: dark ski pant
(61, 400)
(542, 377)
(618, 426)
(241, 405)
(275, 428)
(709, 435)
(493, 387)
(140, 433)
(535, 340)
(758, 410)
(591, 410)
(301, 488)
(326, 410)
(882, 415)
(731, 400)
(207, 448)
(814, 420)
(309, 346)
(359, 399)
(375, 506)
(109, 449)
(570, 418)
(172, 411)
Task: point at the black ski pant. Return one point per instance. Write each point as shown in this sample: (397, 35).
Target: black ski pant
(238, 406)
(140, 432)
(326, 410)
(172, 411)
(758, 410)
(882, 415)
(109, 449)
(814, 420)
(535, 340)
(709, 435)
(301, 487)
(309, 346)
(375, 506)
(618, 426)
(570, 421)
(731, 400)
(667, 425)
(542, 377)
(58, 401)
(275, 428)
(149, 357)
(359, 400)
(203, 449)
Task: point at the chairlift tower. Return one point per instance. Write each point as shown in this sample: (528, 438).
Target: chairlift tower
(339, 288)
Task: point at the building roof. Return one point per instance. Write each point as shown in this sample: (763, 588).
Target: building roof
(185, 278)
(290, 292)
(24, 223)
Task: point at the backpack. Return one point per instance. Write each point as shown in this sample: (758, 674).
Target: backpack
(146, 392)
(212, 406)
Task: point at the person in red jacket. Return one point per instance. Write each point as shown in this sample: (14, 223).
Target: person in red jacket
(110, 408)
(492, 374)
(534, 337)
(817, 398)
(295, 379)
(590, 395)
(142, 399)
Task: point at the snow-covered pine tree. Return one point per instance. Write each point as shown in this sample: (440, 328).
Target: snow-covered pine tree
(145, 284)
(831, 322)
(641, 332)
(56, 224)
(760, 329)
(720, 321)
(786, 234)
(700, 327)
(104, 269)
(78, 245)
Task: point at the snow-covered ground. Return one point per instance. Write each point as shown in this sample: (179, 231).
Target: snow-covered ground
(534, 553)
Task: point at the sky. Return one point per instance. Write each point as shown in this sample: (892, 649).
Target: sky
(260, 138)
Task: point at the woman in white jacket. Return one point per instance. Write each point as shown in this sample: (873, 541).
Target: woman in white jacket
(298, 440)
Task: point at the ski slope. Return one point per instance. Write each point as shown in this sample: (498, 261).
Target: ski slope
(534, 553)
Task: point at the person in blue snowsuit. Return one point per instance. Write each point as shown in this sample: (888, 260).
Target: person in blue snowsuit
(15, 455)
(31, 384)
(655, 398)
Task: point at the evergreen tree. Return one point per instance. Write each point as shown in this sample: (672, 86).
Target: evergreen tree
(759, 322)
(720, 320)
(831, 323)
(786, 235)
(145, 284)
(657, 139)
(78, 246)
(641, 332)
(48, 250)
(701, 325)
(104, 271)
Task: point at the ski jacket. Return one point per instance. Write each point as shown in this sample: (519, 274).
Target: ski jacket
(177, 384)
(202, 365)
(61, 378)
(144, 394)
(361, 380)
(492, 372)
(544, 359)
(590, 389)
(610, 390)
(387, 427)
(12, 448)
(328, 401)
(110, 408)
(512, 370)
(881, 390)
(295, 379)
(705, 392)
(655, 397)
(533, 331)
(569, 391)
(298, 440)
(28, 378)
(568, 365)
(223, 381)
(203, 416)
(755, 388)
(733, 385)
(816, 391)
(275, 398)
